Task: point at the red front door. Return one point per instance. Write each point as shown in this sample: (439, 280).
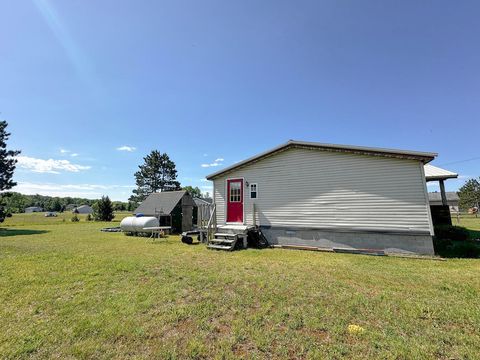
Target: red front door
(235, 200)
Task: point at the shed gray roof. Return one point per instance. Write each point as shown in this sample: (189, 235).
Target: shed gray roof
(162, 202)
(436, 196)
(199, 201)
(424, 157)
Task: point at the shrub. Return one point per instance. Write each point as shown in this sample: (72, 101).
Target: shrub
(75, 218)
(453, 242)
(454, 233)
(441, 246)
(463, 249)
(89, 218)
(103, 209)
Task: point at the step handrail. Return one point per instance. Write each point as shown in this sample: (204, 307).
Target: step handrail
(212, 222)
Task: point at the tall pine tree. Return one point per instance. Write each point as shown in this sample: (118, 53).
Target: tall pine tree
(7, 165)
(7, 159)
(158, 173)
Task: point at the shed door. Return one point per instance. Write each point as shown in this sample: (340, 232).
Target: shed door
(235, 201)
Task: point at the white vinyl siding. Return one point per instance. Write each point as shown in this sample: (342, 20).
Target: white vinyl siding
(321, 189)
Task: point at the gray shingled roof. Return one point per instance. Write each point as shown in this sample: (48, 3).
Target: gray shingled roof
(436, 196)
(199, 201)
(162, 202)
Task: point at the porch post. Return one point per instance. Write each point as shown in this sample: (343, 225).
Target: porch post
(442, 192)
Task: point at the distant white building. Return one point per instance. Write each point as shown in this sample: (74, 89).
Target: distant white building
(33, 209)
(83, 209)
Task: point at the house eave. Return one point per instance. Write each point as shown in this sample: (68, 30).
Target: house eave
(424, 157)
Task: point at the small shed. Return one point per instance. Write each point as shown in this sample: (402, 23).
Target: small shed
(199, 201)
(172, 208)
(33, 209)
(435, 199)
(83, 209)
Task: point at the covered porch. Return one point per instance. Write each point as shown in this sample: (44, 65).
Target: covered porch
(440, 213)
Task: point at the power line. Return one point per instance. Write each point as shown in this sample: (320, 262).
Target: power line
(460, 161)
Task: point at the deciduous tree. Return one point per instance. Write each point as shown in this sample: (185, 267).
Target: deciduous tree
(469, 194)
(194, 191)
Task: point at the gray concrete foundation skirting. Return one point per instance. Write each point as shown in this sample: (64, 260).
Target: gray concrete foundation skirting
(330, 239)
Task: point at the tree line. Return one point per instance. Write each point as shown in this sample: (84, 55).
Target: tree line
(14, 202)
(157, 173)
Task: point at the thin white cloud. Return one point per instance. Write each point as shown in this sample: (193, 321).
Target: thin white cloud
(74, 155)
(64, 151)
(126, 148)
(217, 162)
(50, 166)
(91, 191)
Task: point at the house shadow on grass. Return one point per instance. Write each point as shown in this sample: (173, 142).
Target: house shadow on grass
(18, 232)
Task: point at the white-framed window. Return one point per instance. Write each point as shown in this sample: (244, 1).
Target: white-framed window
(253, 191)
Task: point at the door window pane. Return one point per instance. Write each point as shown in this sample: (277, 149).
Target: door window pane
(235, 191)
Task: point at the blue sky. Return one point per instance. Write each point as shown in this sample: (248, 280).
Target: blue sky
(90, 87)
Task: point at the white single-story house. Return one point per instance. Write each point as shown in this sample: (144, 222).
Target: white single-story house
(33, 209)
(329, 196)
(435, 199)
(83, 209)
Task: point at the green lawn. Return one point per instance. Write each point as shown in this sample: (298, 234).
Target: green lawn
(470, 222)
(68, 290)
(40, 219)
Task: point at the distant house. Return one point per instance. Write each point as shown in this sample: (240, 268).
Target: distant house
(83, 209)
(329, 196)
(435, 198)
(33, 209)
(70, 207)
(173, 208)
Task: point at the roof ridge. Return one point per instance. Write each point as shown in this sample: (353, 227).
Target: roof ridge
(424, 157)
